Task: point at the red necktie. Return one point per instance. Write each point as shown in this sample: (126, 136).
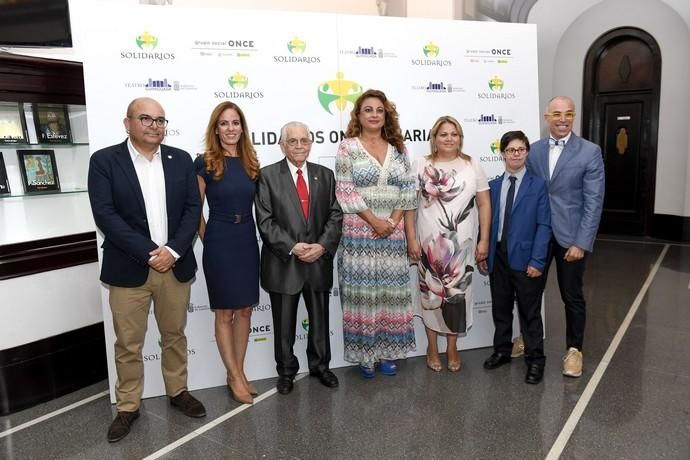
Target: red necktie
(302, 193)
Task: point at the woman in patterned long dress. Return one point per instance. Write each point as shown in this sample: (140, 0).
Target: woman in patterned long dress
(375, 186)
(450, 182)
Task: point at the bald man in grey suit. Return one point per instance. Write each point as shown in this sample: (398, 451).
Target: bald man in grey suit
(300, 223)
(574, 172)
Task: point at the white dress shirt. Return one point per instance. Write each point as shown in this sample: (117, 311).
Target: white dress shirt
(555, 151)
(152, 183)
(293, 173)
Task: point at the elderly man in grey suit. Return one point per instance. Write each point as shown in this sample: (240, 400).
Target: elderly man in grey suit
(300, 223)
(574, 172)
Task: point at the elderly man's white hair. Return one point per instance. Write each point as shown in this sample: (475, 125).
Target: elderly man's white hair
(290, 124)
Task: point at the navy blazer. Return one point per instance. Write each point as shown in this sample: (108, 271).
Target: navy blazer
(530, 224)
(576, 189)
(281, 224)
(119, 212)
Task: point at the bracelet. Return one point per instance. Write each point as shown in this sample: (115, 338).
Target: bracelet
(391, 221)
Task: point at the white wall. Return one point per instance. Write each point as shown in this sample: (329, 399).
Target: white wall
(46, 304)
(566, 30)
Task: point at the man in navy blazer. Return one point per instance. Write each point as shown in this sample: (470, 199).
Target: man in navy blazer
(145, 201)
(518, 250)
(573, 169)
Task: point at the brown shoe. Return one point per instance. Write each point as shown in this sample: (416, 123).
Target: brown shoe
(121, 425)
(518, 347)
(572, 363)
(188, 404)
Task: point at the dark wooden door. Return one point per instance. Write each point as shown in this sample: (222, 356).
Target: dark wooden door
(624, 140)
(620, 113)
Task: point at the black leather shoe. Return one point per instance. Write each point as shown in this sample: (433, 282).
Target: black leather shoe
(326, 377)
(285, 384)
(535, 372)
(496, 360)
(188, 404)
(121, 424)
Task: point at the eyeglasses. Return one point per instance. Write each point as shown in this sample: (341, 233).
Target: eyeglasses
(148, 121)
(569, 115)
(519, 151)
(295, 142)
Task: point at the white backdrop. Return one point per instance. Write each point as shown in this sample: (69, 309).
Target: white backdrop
(309, 67)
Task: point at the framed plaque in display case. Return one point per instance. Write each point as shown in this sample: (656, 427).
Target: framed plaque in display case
(4, 182)
(52, 124)
(39, 171)
(12, 124)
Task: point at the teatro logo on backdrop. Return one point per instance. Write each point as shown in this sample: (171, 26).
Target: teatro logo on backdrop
(439, 87)
(159, 84)
(338, 92)
(489, 56)
(496, 86)
(147, 49)
(238, 83)
(368, 52)
(297, 48)
(431, 52)
(490, 119)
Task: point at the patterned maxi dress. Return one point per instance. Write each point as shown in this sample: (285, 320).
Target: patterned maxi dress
(447, 229)
(374, 274)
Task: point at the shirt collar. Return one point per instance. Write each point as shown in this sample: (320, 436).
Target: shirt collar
(134, 153)
(520, 174)
(562, 141)
(293, 168)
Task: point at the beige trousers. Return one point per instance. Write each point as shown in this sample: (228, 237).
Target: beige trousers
(130, 308)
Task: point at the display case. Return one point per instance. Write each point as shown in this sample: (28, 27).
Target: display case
(67, 156)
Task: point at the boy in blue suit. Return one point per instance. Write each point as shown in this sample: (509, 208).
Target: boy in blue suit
(518, 251)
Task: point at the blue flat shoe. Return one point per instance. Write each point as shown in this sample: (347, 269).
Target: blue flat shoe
(388, 367)
(367, 372)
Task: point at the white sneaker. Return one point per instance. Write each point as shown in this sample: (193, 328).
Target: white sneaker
(572, 363)
(518, 347)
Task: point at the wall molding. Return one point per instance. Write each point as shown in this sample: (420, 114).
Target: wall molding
(28, 258)
(669, 227)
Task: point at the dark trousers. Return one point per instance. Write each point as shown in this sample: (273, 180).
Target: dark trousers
(284, 311)
(506, 285)
(570, 281)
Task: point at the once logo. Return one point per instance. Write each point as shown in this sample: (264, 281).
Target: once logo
(338, 91)
(500, 52)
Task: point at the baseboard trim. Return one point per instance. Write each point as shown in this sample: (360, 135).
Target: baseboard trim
(37, 372)
(669, 227)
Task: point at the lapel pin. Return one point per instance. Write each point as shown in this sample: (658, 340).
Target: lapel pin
(316, 178)
(170, 157)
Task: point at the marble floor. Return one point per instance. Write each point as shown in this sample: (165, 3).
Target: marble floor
(631, 403)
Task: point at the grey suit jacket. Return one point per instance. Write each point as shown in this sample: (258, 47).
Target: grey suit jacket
(576, 189)
(281, 224)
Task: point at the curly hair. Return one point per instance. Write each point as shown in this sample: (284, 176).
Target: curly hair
(434, 131)
(214, 157)
(391, 127)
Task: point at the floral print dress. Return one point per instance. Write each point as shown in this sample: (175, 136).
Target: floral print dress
(373, 273)
(447, 229)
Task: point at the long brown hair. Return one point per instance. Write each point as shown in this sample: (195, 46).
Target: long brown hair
(434, 130)
(213, 156)
(391, 127)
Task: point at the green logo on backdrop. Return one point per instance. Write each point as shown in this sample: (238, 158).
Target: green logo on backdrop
(146, 41)
(431, 50)
(496, 146)
(339, 91)
(305, 324)
(496, 84)
(238, 81)
(297, 46)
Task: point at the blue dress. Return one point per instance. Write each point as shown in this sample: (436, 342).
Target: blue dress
(231, 250)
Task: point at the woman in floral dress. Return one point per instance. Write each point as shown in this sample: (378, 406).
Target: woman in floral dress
(445, 248)
(375, 186)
